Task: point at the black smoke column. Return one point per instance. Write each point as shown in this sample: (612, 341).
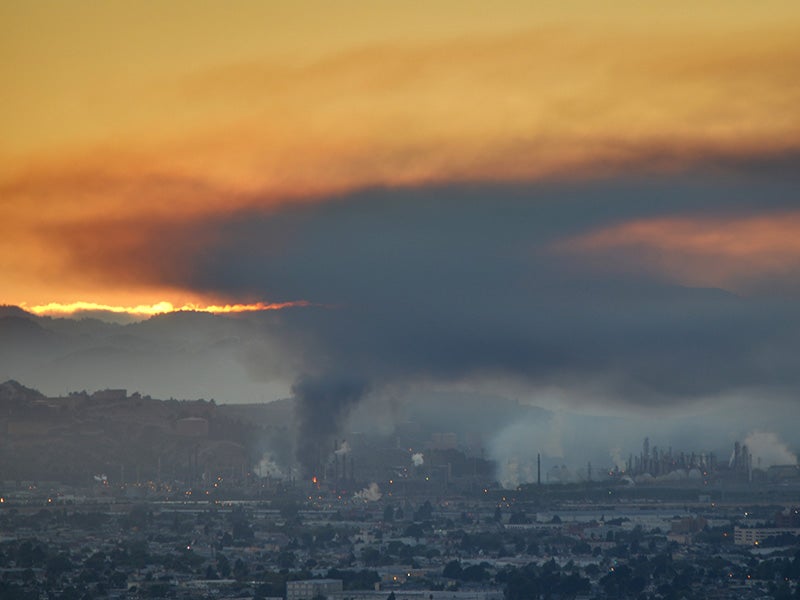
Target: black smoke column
(321, 403)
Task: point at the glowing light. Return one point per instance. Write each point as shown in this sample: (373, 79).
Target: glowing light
(314, 480)
(146, 310)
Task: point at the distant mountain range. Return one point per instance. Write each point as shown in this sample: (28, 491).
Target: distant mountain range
(181, 355)
(199, 355)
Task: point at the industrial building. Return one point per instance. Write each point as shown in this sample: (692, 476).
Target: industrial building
(307, 589)
(753, 536)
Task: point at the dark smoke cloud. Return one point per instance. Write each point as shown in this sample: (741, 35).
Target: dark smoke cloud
(322, 402)
(454, 283)
(450, 283)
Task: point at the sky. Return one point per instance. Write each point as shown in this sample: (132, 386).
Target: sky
(587, 200)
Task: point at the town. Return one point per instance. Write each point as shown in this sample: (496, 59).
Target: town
(202, 519)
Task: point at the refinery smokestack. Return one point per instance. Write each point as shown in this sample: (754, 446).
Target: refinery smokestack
(538, 469)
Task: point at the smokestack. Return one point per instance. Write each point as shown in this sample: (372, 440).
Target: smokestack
(538, 469)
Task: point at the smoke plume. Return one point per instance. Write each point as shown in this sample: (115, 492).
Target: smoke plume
(267, 467)
(485, 294)
(616, 458)
(418, 459)
(516, 448)
(321, 405)
(343, 449)
(768, 450)
(369, 494)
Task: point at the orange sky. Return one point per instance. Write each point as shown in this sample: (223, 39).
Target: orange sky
(713, 251)
(121, 112)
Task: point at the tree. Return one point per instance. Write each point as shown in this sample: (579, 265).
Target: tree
(355, 580)
(452, 570)
(240, 569)
(582, 547)
(242, 532)
(388, 513)
(118, 579)
(286, 559)
(223, 566)
(415, 530)
(424, 512)
(58, 564)
(371, 557)
(476, 573)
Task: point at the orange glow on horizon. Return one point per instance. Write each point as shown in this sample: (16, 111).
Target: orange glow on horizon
(148, 310)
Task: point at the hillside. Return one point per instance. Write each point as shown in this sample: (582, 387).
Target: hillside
(179, 355)
(74, 437)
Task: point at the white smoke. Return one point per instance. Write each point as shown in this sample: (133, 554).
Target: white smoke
(560, 475)
(672, 476)
(616, 456)
(768, 450)
(512, 474)
(369, 494)
(676, 475)
(515, 448)
(418, 459)
(267, 467)
(343, 450)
